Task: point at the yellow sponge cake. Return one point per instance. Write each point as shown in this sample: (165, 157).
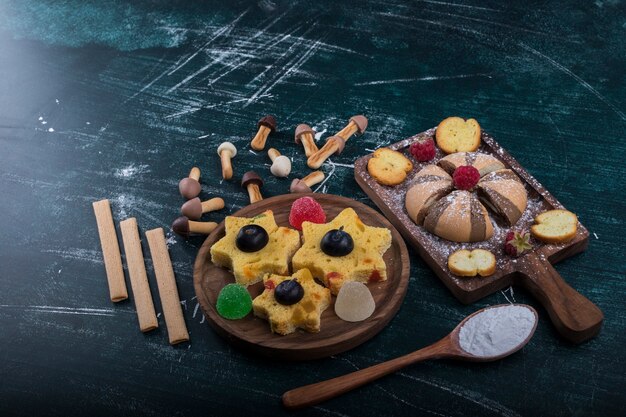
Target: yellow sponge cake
(303, 312)
(363, 263)
(249, 267)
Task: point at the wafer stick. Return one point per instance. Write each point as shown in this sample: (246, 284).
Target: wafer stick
(176, 329)
(110, 251)
(138, 277)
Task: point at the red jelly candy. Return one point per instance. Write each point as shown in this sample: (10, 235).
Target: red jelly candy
(306, 209)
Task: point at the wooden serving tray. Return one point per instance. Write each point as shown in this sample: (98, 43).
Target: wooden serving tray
(574, 316)
(336, 336)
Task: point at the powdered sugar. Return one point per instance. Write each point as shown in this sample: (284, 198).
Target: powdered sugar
(393, 199)
(497, 330)
(131, 171)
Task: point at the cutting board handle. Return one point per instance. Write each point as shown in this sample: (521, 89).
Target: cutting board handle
(575, 317)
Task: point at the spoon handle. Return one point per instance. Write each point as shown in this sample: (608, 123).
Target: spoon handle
(321, 391)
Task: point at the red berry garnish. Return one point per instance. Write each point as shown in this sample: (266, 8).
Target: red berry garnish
(423, 149)
(306, 209)
(465, 177)
(516, 243)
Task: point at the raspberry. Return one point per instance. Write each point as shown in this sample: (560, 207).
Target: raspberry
(465, 177)
(423, 150)
(306, 209)
(516, 243)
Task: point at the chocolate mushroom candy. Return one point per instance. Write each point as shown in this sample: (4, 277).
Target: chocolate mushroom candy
(306, 136)
(190, 187)
(252, 183)
(194, 208)
(304, 185)
(185, 227)
(333, 145)
(267, 125)
(356, 124)
(281, 165)
(227, 151)
(337, 142)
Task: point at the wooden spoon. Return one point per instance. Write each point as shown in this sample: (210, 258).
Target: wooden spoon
(448, 347)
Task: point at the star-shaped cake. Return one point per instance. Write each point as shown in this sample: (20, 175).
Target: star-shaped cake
(250, 267)
(364, 263)
(305, 314)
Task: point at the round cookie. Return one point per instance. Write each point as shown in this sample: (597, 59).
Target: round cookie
(389, 167)
(455, 134)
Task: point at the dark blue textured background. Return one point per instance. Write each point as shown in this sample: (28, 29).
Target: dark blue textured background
(119, 99)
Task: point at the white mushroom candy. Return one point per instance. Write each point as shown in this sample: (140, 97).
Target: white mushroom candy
(227, 151)
(354, 302)
(281, 165)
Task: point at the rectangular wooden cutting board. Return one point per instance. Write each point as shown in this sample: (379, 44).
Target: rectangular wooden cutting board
(532, 270)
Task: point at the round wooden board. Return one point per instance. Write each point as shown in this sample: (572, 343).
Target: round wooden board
(254, 335)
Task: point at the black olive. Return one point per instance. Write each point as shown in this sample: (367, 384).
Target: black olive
(336, 242)
(288, 292)
(251, 238)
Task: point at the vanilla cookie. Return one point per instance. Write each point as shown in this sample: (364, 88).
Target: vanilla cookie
(469, 264)
(389, 167)
(455, 134)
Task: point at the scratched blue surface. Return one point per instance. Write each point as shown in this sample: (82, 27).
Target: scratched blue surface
(119, 99)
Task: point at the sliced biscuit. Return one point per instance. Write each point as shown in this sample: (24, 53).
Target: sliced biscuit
(469, 264)
(455, 134)
(389, 167)
(555, 226)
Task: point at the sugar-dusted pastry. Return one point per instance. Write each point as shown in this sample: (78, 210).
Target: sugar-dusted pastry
(342, 250)
(503, 192)
(253, 247)
(291, 302)
(389, 167)
(459, 217)
(555, 226)
(455, 134)
(429, 185)
(481, 161)
(449, 199)
(471, 263)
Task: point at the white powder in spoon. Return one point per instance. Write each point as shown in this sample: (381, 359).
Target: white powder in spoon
(496, 330)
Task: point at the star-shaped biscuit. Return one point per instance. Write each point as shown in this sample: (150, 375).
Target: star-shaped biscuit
(305, 314)
(364, 264)
(250, 267)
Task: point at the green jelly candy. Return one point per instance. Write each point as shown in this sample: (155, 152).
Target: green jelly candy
(234, 302)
